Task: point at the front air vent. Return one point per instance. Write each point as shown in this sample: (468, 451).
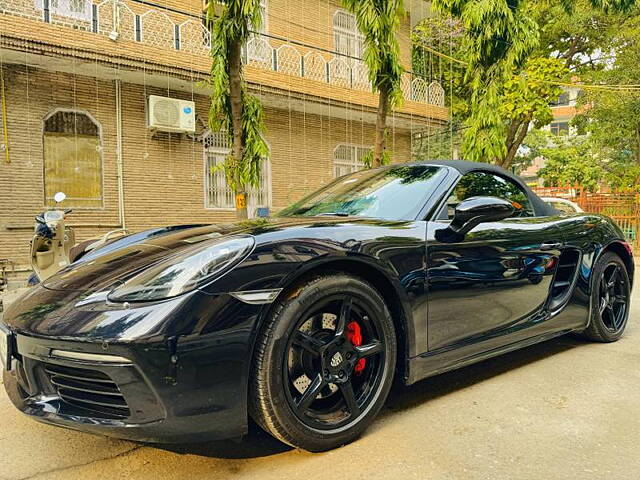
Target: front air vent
(88, 390)
(565, 276)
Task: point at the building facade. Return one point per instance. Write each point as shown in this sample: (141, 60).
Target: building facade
(77, 75)
(563, 110)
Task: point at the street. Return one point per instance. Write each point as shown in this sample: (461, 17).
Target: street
(564, 409)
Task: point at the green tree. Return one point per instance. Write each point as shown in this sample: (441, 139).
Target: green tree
(523, 95)
(612, 117)
(378, 21)
(576, 32)
(499, 38)
(570, 161)
(233, 109)
(525, 101)
(504, 37)
(437, 33)
(580, 159)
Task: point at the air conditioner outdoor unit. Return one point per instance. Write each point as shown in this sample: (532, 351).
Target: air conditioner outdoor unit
(171, 114)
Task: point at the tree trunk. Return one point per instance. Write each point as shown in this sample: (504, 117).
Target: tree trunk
(381, 128)
(511, 132)
(516, 140)
(235, 95)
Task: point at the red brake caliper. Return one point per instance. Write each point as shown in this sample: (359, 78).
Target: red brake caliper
(354, 334)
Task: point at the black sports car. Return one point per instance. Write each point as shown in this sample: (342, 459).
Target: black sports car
(303, 321)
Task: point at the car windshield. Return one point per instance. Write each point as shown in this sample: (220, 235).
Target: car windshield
(392, 193)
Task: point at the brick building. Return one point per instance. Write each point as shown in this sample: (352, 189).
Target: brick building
(77, 75)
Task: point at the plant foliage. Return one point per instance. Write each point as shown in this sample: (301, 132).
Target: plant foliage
(511, 49)
(378, 21)
(499, 37)
(230, 30)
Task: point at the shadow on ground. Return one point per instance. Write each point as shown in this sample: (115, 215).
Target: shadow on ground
(260, 444)
(257, 443)
(403, 398)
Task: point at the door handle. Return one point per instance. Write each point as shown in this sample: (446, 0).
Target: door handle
(551, 246)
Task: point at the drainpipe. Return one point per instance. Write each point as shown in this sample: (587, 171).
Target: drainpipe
(119, 160)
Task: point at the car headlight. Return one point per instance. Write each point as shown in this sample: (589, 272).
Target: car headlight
(184, 272)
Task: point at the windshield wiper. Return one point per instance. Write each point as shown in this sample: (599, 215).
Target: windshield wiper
(332, 214)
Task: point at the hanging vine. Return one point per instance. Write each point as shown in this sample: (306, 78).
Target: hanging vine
(233, 110)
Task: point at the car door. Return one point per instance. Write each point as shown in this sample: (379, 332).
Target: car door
(497, 278)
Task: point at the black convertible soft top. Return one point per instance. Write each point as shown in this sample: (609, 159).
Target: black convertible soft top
(540, 207)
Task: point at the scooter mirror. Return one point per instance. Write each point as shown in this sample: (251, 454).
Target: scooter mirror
(59, 197)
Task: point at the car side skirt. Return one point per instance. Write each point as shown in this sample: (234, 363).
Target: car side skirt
(435, 363)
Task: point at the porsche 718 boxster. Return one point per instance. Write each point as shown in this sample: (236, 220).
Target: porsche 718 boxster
(302, 321)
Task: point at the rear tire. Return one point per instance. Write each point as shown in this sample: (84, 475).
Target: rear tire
(324, 363)
(610, 300)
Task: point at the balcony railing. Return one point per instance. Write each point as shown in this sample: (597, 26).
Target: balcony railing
(138, 21)
(271, 53)
(131, 20)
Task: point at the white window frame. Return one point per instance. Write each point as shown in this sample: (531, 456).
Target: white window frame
(63, 8)
(354, 163)
(219, 150)
(555, 124)
(349, 35)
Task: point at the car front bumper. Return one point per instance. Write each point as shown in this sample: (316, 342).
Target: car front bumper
(186, 388)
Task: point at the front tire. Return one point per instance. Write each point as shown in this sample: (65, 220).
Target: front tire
(610, 300)
(324, 363)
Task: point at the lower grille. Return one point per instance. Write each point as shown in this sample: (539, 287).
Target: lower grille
(88, 390)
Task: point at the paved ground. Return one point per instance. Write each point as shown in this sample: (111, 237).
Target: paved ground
(564, 409)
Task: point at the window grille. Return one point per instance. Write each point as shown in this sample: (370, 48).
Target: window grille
(218, 194)
(348, 159)
(72, 159)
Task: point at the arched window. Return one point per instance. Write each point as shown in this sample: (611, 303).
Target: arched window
(218, 194)
(347, 39)
(348, 159)
(72, 159)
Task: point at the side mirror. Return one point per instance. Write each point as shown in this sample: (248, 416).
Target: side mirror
(59, 197)
(472, 212)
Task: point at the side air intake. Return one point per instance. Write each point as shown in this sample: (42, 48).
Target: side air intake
(565, 277)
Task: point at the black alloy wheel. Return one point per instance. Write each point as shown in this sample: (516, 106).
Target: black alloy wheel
(614, 297)
(335, 362)
(610, 299)
(324, 363)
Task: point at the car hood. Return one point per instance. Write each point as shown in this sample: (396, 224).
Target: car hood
(72, 304)
(115, 263)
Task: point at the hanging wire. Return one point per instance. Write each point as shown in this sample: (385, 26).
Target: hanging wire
(427, 95)
(74, 94)
(194, 137)
(28, 100)
(5, 122)
(290, 187)
(451, 140)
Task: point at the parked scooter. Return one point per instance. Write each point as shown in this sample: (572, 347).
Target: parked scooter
(52, 241)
